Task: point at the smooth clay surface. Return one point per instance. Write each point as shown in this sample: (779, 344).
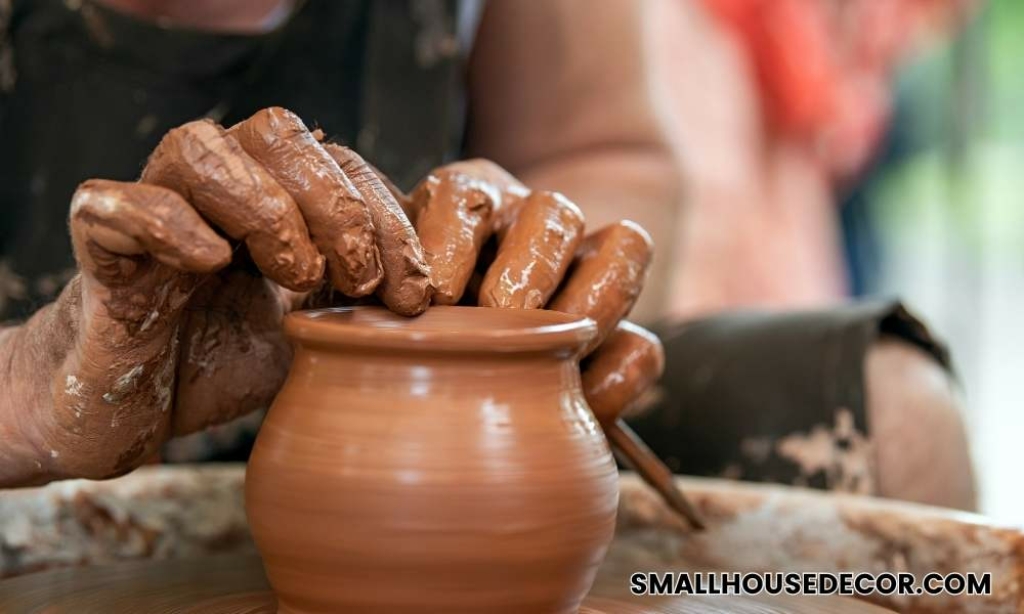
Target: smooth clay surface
(432, 464)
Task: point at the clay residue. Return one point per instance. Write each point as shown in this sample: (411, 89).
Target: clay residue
(606, 277)
(210, 169)
(406, 287)
(338, 218)
(454, 216)
(534, 254)
(841, 452)
(621, 370)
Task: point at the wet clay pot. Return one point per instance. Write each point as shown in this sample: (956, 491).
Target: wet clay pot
(442, 464)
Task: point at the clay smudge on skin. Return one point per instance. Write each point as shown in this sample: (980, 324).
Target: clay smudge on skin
(453, 222)
(534, 254)
(124, 385)
(615, 376)
(73, 386)
(606, 277)
(511, 193)
(406, 288)
(212, 172)
(340, 222)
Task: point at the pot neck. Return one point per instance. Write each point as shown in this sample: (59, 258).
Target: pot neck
(421, 373)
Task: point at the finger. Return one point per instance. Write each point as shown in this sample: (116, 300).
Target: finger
(406, 287)
(619, 372)
(132, 218)
(511, 191)
(338, 219)
(403, 199)
(454, 216)
(534, 254)
(606, 277)
(209, 168)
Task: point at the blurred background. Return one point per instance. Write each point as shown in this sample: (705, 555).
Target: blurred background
(864, 148)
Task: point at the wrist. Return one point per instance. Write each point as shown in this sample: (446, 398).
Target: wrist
(30, 356)
(21, 463)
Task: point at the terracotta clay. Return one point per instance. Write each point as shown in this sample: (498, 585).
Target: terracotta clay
(534, 254)
(626, 365)
(134, 218)
(339, 220)
(511, 192)
(607, 276)
(406, 287)
(211, 171)
(453, 219)
(405, 467)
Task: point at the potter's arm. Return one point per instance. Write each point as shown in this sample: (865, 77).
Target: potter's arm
(29, 356)
(563, 113)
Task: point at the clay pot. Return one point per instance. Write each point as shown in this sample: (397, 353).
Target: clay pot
(446, 463)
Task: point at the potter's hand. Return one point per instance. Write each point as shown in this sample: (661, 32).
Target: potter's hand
(175, 320)
(543, 259)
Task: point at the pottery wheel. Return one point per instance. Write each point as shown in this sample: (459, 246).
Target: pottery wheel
(236, 585)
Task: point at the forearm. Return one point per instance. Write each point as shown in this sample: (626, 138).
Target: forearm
(30, 354)
(639, 183)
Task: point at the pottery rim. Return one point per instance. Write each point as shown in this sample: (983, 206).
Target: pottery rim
(442, 328)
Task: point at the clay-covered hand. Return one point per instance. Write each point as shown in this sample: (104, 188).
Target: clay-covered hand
(491, 241)
(186, 275)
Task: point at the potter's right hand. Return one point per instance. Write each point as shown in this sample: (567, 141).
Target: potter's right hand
(541, 258)
(185, 277)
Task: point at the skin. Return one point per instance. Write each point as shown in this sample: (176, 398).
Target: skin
(907, 388)
(587, 120)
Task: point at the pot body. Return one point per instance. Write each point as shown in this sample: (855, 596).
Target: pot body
(409, 479)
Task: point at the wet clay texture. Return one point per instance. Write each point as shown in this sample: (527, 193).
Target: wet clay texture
(406, 467)
(406, 287)
(208, 167)
(511, 193)
(339, 220)
(606, 277)
(454, 214)
(617, 374)
(237, 585)
(534, 254)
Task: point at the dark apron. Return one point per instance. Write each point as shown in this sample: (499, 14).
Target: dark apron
(88, 92)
